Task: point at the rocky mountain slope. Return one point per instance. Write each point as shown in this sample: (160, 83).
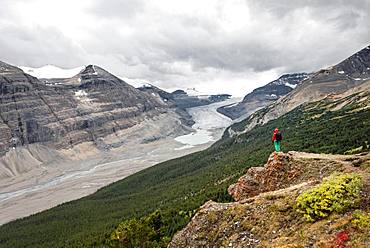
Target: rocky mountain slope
(352, 73)
(265, 212)
(264, 95)
(85, 108)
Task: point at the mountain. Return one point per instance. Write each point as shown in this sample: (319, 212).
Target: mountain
(26, 109)
(351, 75)
(263, 96)
(85, 108)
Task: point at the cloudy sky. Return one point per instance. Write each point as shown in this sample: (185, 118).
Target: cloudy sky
(213, 45)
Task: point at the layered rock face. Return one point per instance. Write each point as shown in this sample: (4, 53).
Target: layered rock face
(264, 95)
(92, 104)
(28, 109)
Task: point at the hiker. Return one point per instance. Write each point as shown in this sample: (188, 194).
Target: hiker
(276, 139)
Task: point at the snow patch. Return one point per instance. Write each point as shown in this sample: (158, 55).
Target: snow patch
(291, 85)
(82, 96)
(341, 72)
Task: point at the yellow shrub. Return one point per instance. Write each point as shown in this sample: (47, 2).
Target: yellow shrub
(335, 194)
(361, 219)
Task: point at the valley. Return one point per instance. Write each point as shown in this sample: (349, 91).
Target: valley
(80, 171)
(209, 124)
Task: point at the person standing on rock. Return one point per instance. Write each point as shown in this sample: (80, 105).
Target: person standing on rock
(276, 139)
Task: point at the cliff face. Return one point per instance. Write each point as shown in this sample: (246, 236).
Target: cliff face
(265, 213)
(92, 104)
(28, 109)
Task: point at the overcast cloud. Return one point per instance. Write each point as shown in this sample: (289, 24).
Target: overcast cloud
(216, 46)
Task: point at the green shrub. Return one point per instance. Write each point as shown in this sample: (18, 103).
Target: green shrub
(361, 220)
(147, 231)
(335, 194)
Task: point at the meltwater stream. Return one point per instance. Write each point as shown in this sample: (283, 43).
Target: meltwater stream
(48, 191)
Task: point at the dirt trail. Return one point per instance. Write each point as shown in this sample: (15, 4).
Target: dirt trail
(334, 157)
(350, 162)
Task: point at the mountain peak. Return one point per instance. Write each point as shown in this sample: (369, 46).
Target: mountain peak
(94, 75)
(263, 96)
(356, 65)
(7, 68)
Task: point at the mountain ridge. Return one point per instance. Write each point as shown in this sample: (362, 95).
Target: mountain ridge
(264, 95)
(321, 84)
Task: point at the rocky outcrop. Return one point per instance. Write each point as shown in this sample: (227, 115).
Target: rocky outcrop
(263, 96)
(267, 218)
(282, 170)
(92, 104)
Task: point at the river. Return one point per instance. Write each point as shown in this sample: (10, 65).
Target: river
(55, 185)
